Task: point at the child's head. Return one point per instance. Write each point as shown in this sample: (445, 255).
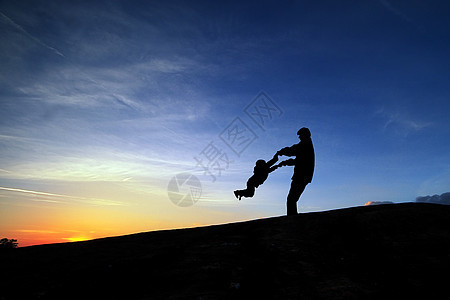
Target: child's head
(260, 163)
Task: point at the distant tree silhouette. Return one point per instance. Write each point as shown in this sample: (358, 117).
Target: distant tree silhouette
(8, 243)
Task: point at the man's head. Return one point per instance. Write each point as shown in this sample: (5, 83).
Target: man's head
(304, 133)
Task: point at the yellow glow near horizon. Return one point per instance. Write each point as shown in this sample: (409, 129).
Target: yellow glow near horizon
(77, 239)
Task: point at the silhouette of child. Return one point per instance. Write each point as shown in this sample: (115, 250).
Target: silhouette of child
(260, 173)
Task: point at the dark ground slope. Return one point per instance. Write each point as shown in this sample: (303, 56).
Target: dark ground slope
(373, 252)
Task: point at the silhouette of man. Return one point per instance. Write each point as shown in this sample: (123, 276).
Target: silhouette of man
(303, 167)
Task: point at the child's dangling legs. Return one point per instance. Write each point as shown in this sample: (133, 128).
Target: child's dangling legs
(248, 192)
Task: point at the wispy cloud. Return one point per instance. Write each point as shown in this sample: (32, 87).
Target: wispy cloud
(394, 10)
(31, 192)
(63, 198)
(401, 122)
(398, 119)
(8, 20)
(43, 231)
(143, 88)
(16, 138)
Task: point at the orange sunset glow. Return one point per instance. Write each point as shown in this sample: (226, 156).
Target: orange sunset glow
(104, 106)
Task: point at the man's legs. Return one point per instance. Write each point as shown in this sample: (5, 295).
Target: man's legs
(296, 190)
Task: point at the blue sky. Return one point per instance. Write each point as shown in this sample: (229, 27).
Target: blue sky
(103, 102)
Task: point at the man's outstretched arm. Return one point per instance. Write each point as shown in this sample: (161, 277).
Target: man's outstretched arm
(273, 160)
(288, 162)
(288, 151)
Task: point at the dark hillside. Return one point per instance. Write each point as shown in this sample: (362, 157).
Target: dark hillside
(374, 252)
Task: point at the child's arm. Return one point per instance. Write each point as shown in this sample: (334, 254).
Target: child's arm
(273, 160)
(271, 169)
